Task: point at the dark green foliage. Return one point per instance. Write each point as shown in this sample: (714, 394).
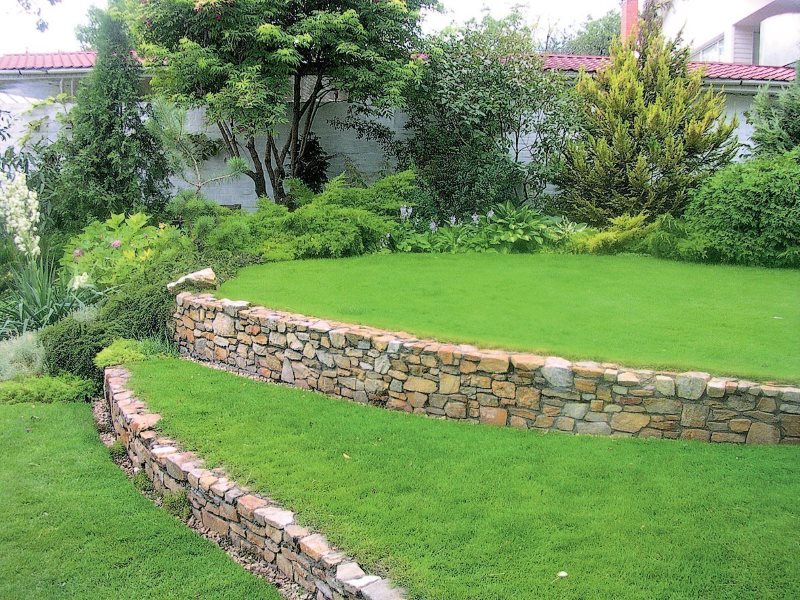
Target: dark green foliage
(776, 120)
(652, 131)
(487, 121)
(46, 390)
(385, 197)
(111, 163)
(313, 165)
(177, 504)
(749, 213)
(318, 230)
(71, 344)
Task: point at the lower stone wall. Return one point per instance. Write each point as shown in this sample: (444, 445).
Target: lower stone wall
(462, 382)
(249, 521)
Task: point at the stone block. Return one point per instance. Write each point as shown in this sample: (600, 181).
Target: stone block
(449, 384)
(597, 428)
(528, 397)
(558, 372)
(691, 385)
(629, 422)
(694, 415)
(420, 384)
(663, 406)
(456, 410)
(791, 425)
(696, 434)
(493, 416)
(565, 423)
(504, 389)
(315, 546)
(494, 363)
(722, 437)
(665, 385)
(761, 433)
(575, 410)
(247, 504)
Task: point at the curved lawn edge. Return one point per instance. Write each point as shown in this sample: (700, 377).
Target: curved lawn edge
(638, 311)
(525, 391)
(248, 520)
(451, 510)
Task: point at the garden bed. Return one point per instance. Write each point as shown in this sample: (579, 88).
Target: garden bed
(638, 311)
(74, 525)
(453, 511)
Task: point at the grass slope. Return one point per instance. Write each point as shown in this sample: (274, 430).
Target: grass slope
(635, 310)
(74, 526)
(455, 511)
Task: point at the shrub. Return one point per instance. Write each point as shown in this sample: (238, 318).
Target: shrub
(46, 390)
(318, 230)
(749, 213)
(385, 197)
(70, 346)
(625, 234)
(122, 352)
(177, 504)
(109, 252)
(21, 356)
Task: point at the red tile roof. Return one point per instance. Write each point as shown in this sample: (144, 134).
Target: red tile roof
(562, 62)
(47, 61)
(569, 62)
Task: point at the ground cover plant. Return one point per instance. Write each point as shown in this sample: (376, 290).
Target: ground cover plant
(632, 309)
(452, 510)
(75, 527)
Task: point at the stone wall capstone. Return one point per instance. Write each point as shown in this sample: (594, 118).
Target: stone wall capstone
(249, 521)
(401, 372)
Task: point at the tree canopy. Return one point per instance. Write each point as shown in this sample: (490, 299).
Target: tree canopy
(242, 61)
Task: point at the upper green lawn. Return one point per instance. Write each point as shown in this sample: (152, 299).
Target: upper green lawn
(75, 527)
(457, 511)
(634, 310)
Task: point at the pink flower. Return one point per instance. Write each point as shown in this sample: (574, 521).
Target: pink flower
(77, 253)
(420, 56)
(116, 244)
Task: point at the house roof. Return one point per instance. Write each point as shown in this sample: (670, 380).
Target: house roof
(54, 61)
(47, 61)
(728, 71)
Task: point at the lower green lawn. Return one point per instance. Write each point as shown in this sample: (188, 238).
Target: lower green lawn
(74, 527)
(455, 511)
(632, 309)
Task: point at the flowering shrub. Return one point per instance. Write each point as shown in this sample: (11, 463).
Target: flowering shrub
(19, 211)
(107, 252)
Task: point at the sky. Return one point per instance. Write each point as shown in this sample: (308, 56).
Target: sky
(18, 32)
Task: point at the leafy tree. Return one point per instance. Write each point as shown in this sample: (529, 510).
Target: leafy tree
(110, 162)
(242, 61)
(593, 37)
(776, 120)
(651, 133)
(488, 122)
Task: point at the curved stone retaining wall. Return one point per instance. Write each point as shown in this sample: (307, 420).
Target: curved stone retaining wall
(462, 382)
(251, 522)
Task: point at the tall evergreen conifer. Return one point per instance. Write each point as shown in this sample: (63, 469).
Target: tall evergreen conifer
(650, 133)
(111, 162)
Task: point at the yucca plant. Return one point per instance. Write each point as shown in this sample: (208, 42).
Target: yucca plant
(38, 296)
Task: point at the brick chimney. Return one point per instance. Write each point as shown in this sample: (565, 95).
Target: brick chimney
(630, 18)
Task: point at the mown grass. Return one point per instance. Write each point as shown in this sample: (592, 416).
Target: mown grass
(454, 511)
(73, 526)
(635, 310)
